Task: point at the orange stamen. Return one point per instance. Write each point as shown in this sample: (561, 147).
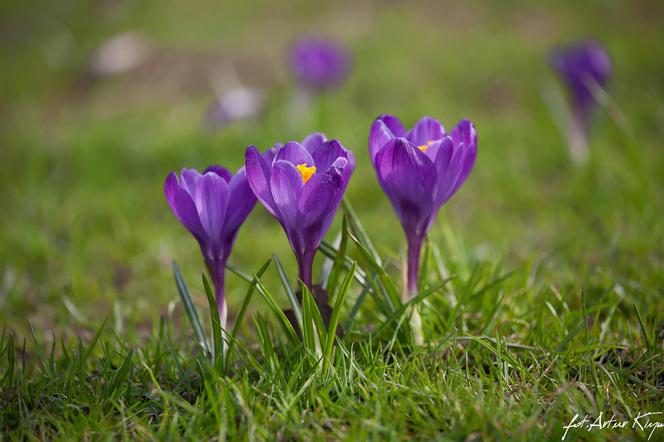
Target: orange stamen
(306, 171)
(424, 147)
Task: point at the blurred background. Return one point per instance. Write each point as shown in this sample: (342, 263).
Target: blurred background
(101, 99)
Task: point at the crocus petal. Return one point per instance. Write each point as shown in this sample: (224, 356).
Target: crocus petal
(343, 168)
(258, 171)
(340, 165)
(442, 153)
(240, 203)
(379, 135)
(325, 154)
(211, 200)
(295, 154)
(318, 198)
(314, 141)
(393, 124)
(316, 208)
(189, 179)
(465, 134)
(433, 149)
(455, 160)
(385, 128)
(426, 130)
(408, 177)
(286, 185)
(270, 153)
(183, 206)
(221, 171)
(351, 164)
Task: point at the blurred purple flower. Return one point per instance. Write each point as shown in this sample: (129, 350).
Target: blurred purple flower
(581, 66)
(319, 63)
(212, 206)
(302, 188)
(419, 170)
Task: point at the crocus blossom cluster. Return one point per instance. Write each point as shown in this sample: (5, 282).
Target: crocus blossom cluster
(302, 183)
(419, 170)
(212, 206)
(302, 188)
(319, 63)
(582, 66)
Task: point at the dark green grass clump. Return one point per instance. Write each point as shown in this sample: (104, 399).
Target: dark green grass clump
(517, 361)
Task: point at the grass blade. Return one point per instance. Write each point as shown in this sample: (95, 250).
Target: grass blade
(334, 319)
(391, 292)
(404, 307)
(218, 350)
(278, 313)
(238, 272)
(120, 376)
(495, 350)
(190, 309)
(357, 228)
(571, 335)
(243, 311)
(307, 324)
(295, 304)
(331, 252)
(333, 278)
(264, 339)
(643, 327)
(316, 315)
(8, 378)
(328, 262)
(95, 339)
(356, 308)
(252, 360)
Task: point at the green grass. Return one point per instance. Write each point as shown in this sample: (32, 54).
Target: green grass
(542, 282)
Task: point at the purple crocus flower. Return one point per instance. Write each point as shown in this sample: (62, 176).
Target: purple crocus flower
(582, 66)
(419, 171)
(212, 206)
(302, 188)
(319, 63)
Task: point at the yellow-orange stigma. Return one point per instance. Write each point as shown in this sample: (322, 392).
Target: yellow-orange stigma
(424, 147)
(306, 171)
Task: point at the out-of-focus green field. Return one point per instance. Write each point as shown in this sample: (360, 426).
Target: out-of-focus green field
(84, 216)
(86, 232)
